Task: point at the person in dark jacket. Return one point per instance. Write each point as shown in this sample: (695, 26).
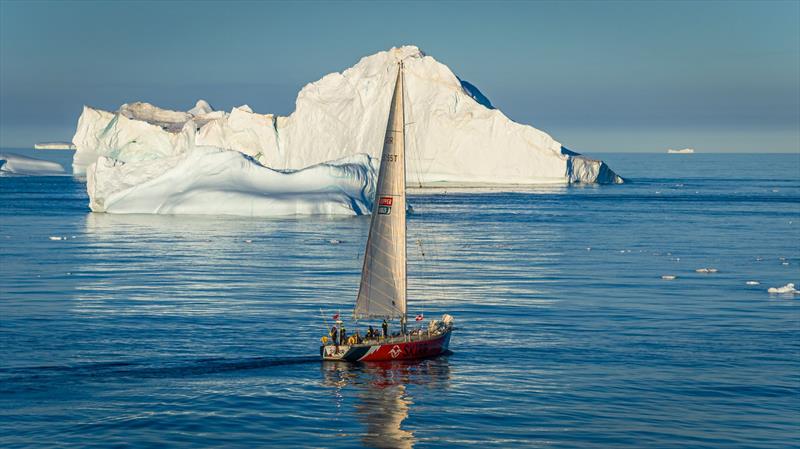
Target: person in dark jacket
(342, 335)
(385, 327)
(334, 337)
(371, 333)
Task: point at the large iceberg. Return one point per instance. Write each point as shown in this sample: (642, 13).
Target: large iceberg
(16, 164)
(455, 137)
(454, 133)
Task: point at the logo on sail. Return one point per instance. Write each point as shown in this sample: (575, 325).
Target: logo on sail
(386, 201)
(384, 210)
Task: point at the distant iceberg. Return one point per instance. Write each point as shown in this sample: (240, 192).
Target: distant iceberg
(54, 146)
(683, 151)
(455, 136)
(16, 164)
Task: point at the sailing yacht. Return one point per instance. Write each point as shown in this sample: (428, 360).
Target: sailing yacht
(382, 293)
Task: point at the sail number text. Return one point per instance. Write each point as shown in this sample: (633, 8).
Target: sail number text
(390, 157)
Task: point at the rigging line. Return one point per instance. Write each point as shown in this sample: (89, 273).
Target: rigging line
(426, 263)
(415, 151)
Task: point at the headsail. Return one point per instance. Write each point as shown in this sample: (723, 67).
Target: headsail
(383, 278)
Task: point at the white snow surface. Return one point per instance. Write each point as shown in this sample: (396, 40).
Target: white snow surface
(11, 163)
(214, 181)
(454, 134)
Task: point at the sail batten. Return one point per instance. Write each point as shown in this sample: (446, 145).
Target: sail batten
(382, 292)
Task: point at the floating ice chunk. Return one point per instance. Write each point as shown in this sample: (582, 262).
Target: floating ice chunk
(11, 163)
(57, 237)
(784, 263)
(334, 241)
(214, 181)
(706, 270)
(248, 241)
(669, 277)
(786, 289)
(753, 283)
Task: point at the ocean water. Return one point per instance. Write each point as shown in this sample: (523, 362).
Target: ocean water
(169, 331)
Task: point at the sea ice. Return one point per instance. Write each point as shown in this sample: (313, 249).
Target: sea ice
(753, 283)
(706, 270)
(22, 165)
(455, 135)
(786, 289)
(669, 277)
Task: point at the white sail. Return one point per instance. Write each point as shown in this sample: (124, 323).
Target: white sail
(383, 278)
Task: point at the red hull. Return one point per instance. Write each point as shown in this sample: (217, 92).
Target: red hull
(393, 350)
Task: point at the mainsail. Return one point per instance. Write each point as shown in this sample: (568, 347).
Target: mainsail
(383, 278)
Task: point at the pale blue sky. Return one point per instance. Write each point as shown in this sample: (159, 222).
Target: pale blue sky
(598, 76)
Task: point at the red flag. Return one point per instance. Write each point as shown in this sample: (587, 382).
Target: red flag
(336, 317)
(419, 317)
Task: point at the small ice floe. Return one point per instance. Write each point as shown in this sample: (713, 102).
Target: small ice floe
(786, 289)
(57, 237)
(753, 283)
(669, 277)
(588, 248)
(775, 190)
(334, 241)
(248, 241)
(759, 259)
(706, 270)
(784, 263)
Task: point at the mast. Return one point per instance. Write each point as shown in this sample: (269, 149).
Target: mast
(382, 292)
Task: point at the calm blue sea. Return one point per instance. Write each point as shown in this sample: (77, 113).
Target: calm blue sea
(196, 332)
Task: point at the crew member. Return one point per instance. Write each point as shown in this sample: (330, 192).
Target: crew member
(385, 327)
(342, 335)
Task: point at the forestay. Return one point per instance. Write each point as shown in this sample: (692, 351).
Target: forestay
(383, 278)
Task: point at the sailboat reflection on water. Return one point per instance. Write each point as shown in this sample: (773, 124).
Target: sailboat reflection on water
(384, 394)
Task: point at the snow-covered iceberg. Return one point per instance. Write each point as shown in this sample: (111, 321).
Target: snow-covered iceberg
(16, 164)
(455, 135)
(208, 180)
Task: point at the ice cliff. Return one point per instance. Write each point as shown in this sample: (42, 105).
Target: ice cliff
(454, 134)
